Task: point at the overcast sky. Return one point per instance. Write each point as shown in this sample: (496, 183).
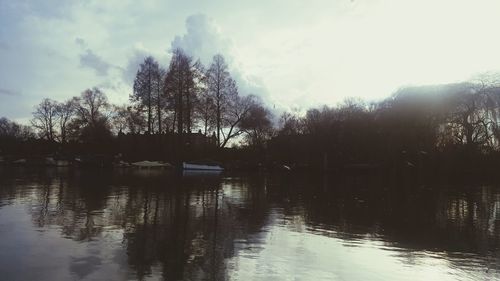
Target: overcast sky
(292, 53)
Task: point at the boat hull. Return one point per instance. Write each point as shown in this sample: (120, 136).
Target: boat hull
(200, 167)
(150, 165)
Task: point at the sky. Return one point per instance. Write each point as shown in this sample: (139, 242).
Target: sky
(295, 54)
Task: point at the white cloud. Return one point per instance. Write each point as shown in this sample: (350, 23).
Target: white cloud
(137, 56)
(132, 66)
(204, 38)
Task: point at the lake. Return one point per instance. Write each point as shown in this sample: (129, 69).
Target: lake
(60, 224)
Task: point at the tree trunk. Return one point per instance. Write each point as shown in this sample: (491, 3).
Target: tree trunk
(188, 113)
(149, 101)
(159, 106)
(206, 125)
(218, 121)
(175, 119)
(179, 113)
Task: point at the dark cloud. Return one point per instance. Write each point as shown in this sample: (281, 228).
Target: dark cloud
(7, 92)
(16, 105)
(95, 62)
(49, 8)
(80, 42)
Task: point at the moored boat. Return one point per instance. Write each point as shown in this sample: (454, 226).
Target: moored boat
(151, 164)
(202, 165)
(201, 173)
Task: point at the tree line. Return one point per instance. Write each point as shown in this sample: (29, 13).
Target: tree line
(446, 125)
(188, 96)
(185, 97)
(425, 118)
(413, 123)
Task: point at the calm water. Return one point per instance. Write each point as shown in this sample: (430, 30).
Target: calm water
(93, 225)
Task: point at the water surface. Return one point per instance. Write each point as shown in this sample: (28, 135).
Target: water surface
(127, 225)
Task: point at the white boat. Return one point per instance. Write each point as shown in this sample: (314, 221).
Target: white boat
(202, 166)
(122, 164)
(151, 164)
(201, 173)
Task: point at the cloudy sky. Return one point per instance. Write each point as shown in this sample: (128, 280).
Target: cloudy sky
(293, 53)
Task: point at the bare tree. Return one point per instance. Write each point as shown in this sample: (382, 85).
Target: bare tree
(196, 86)
(45, 118)
(91, 106)
(205, 111)
(257, 125)
(64, 111)
(488, 88)
(148, 89)
(127, 119)
(290, 124)
(237, 110)
(220, 86)
(119, 119)
(178, 85)
(12, 130)
(159, 83)
(473, 118)
(91, 123)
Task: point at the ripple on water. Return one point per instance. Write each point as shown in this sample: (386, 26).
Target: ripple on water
(94, 226)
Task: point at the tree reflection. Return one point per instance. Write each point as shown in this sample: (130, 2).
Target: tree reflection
(187, 228)
(445, 219)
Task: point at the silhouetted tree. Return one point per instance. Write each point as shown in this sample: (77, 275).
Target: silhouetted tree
(220, 86)
(196, 86)
(237, 110)
(205, 110)
(127, 119)
(119, 118)
(473, 121)
(91, 123)
(64, 111)
(160, 99)
(179, 84)
(257, 125)
(91, 106)
(148, 89)
(99, 133)
(45, 119)
(290, 124)
(13, 135)
(14, 131)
